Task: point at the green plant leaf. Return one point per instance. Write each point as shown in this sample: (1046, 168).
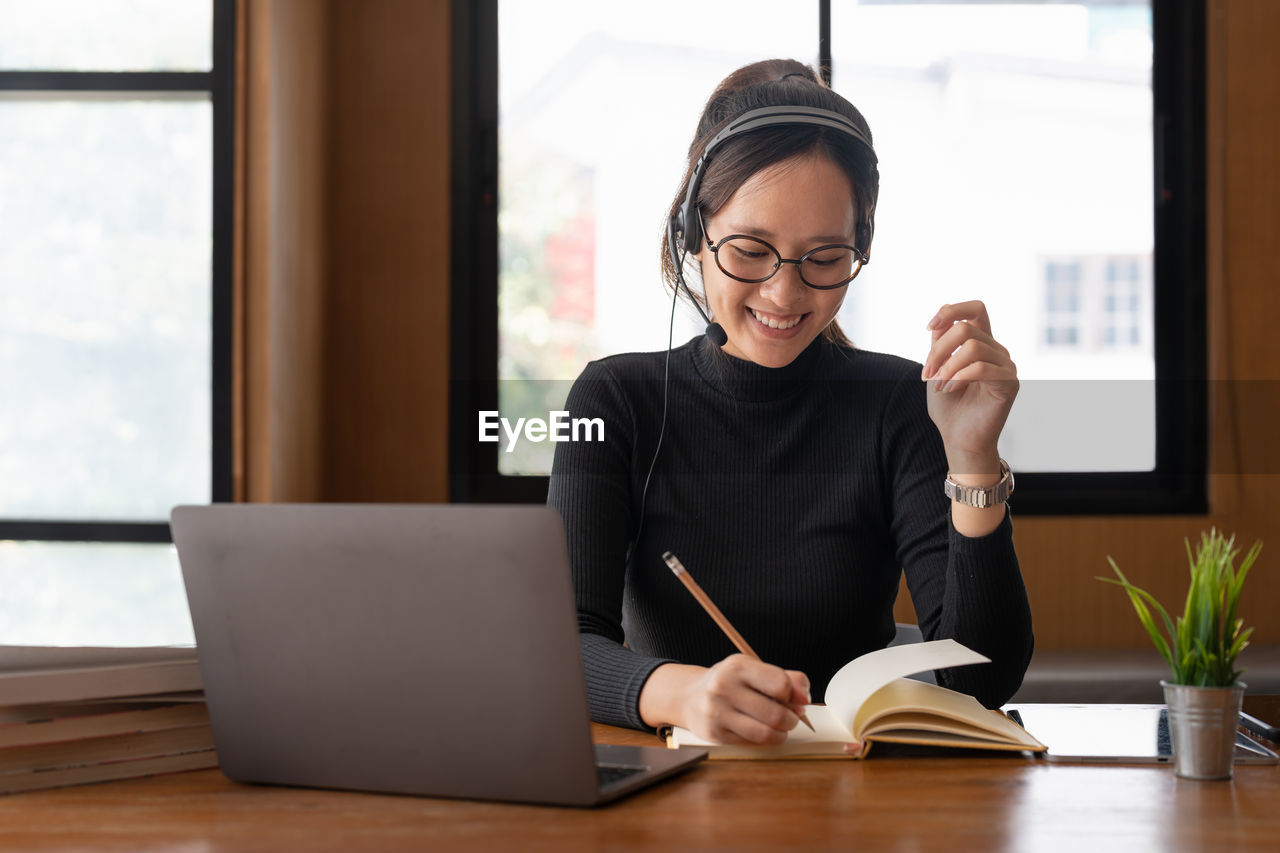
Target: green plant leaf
(1238, 581)
(1240, 643)
(1131, 589)
(1136, 598)
(1205, 640)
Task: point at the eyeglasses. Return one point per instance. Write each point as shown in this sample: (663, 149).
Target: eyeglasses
(751, 260)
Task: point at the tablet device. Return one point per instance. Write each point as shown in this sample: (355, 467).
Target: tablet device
(1113, 734)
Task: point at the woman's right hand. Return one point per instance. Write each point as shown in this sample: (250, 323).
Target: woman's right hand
(740, 700)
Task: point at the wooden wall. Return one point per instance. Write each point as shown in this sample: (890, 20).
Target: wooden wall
(1061, 556)
(346, 287)
(386, 331)
(343, 341)
(279, 336)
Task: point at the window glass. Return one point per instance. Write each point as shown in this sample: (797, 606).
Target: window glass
(598, 103)
(1015, 146)
(92, 594)
(105, 308)
(106, 35)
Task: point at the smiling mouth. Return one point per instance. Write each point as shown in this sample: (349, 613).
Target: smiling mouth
(775, 323)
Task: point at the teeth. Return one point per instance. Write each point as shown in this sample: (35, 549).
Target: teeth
(775, 324)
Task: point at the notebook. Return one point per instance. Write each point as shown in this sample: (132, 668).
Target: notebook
(426, 649)
(1113, 734)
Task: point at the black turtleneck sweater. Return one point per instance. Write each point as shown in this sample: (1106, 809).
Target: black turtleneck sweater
(797, 497)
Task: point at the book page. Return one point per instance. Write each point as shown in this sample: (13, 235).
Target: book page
(858, 679)
(926, 737)
(827, 729)
(904, 705)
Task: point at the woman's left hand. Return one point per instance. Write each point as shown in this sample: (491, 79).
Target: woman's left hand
(972, 384)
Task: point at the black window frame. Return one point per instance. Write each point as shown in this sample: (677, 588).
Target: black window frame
(219, 84)
(1178, 483)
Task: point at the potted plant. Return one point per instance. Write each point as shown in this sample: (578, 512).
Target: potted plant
(1203, 691)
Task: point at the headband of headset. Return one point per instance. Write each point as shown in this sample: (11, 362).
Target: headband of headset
(690, 226)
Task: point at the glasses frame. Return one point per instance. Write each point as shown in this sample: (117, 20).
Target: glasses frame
(715, 247)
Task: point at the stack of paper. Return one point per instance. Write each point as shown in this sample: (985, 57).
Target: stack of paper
(73, 715)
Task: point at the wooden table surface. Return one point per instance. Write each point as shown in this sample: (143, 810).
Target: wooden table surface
(886, 803)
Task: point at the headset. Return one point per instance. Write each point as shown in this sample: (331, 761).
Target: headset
(684, 231)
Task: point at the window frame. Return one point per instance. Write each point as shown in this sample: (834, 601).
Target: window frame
(219, 84)
(1177, 484)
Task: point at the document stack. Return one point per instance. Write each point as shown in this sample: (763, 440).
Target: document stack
(75, 715)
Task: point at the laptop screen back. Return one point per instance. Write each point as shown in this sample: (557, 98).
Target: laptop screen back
(429, 649)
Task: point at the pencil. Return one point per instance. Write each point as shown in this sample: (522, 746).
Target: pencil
(678, 569)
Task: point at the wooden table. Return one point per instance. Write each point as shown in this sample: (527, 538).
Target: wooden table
(886, 803)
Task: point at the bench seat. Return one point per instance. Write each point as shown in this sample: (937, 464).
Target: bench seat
(1111, 675)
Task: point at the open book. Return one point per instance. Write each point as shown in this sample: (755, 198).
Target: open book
(870, 699)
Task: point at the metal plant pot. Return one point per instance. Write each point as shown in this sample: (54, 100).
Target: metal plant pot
(1202, 725)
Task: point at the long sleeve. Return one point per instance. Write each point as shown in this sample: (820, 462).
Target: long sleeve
(590, 487)
(797, 496)
(968, 589)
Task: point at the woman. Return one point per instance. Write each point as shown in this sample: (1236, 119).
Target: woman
(796, 477)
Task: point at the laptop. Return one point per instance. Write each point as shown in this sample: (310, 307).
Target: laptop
(427, 649)
(1113, 734)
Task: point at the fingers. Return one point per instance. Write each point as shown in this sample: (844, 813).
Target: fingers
(738, 727)
(744, 700)
(975, 359)
(974, 311)
(964, 343)
(974, 382)
(763, 720)
(799, 688)
(854, 748)
(1002, 382)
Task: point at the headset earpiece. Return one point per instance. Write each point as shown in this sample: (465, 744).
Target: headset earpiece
(692, 232)
(686, 227)
(689, 225)
(715, 332)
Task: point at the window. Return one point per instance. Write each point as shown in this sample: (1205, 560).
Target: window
(1126, 293)
(1062, 304)
(1045, 157)
(1099, 303)
(115, 206)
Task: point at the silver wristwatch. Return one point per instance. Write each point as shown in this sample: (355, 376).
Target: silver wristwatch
(979, 497)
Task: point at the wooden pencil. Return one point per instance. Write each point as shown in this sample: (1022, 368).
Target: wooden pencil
(678, 569)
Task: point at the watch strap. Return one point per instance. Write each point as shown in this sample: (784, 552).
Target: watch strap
(977, 496)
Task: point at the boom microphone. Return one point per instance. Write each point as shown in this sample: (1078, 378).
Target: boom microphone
(715, 332)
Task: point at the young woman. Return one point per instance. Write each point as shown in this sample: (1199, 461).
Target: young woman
(796, 477)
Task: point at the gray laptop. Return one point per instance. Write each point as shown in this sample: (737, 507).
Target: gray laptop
(428, 649)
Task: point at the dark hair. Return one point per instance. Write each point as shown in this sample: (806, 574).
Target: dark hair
(770, 83)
